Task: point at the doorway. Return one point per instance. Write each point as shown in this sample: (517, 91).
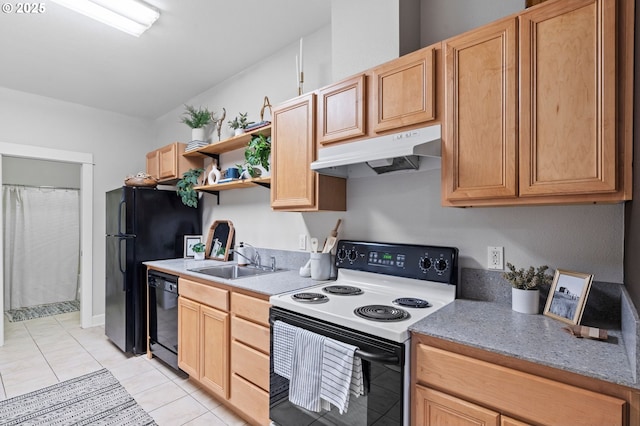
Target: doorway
(85, 162)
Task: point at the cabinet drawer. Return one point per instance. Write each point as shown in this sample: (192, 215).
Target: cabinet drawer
(250, 364)
(208, 295)
(250, 399)
(250, 333)
(250, 308)
(544, 401)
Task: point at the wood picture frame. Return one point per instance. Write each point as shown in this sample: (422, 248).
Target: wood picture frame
(189, 242)
(220, 240)
(568, 296)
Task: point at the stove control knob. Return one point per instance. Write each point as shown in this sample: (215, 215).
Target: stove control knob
(341, 254)
(425, 263)
(441, 265)
(352, 255)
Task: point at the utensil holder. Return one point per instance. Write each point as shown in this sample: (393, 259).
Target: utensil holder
(320, 266)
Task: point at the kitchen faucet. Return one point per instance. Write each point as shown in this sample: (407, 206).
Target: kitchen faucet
(256, 258)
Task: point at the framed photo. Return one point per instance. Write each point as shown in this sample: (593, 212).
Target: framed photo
(568, 295)
(189, 242)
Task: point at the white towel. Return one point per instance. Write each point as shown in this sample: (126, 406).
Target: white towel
(340, 374)
(306, 370)
(283, 337)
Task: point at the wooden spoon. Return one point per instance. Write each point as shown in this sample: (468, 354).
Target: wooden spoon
(331, 240)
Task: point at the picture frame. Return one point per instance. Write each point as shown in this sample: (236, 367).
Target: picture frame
(568, 296)
(189, 242)
(220, 240)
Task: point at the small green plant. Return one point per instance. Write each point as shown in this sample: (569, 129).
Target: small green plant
(240, 122)
(197, 118)
(198, 248)
(531, 279)
(256, 154)
(185, 190)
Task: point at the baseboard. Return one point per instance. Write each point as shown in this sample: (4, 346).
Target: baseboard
(97, 320)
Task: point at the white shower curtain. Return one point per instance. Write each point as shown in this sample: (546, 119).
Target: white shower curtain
(41, 245)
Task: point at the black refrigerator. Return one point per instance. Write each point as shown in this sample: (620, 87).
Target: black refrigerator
(142, 224)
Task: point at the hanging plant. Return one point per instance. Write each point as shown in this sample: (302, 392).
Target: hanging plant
(258, 151)
(185, 190)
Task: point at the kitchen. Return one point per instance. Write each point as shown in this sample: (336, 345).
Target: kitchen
(582, 238)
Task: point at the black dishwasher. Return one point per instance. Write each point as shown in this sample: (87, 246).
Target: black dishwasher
(163, 316)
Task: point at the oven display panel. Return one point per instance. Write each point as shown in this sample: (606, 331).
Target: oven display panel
(381, 258)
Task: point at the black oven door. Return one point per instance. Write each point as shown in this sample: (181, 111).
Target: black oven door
(383, 364)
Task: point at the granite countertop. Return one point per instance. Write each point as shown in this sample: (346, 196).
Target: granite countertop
(268, 284)
(536, 338)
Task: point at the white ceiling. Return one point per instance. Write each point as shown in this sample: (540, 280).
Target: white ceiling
(194, 45)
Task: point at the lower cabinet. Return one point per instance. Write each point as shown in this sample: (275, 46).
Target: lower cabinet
(203, 337)
(250, 356)
(454, 389)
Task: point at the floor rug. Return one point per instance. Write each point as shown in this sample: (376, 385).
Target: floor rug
(39, 311)
(93, 399)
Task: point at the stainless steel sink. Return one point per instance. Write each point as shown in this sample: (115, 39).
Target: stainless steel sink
(233, 272)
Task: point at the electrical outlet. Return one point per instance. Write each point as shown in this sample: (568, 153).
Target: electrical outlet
(495, 257)
(302, 242)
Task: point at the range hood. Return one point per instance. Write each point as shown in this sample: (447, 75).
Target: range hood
(383, 154)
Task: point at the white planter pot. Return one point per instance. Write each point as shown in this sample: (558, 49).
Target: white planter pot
(238, 132)
(198, 256)
(197, 134)
(525, 301)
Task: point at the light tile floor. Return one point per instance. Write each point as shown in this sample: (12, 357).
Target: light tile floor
(44, 351)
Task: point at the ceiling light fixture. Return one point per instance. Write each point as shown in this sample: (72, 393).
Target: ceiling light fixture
(130, 16)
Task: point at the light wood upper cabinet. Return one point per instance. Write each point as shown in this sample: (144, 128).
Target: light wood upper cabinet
(547, 121)
(342, 110)
(480, 153)
(404, 91)
(294, 186)
(568, 98)
(167, 164)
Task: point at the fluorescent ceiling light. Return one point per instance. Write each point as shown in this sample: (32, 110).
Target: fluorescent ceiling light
(129, 16)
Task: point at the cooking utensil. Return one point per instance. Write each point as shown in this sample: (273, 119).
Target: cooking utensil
(331, 240)
(314, 245)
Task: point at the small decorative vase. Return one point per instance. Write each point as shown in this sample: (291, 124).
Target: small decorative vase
(238, 132)
(214, 175)
(525, 301)
(198, 255)
(197, 134)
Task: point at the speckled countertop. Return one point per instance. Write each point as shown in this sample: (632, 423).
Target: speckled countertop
(536, 338)
(268, 284)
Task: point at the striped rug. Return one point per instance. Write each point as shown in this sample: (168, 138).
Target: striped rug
(39, 311)
(93, 399)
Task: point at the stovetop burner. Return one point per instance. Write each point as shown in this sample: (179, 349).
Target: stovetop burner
(412, 302)
(343, 290)
(381, 313)
(310, 298)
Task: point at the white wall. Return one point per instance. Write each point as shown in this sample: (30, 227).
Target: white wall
(118, 144)
(401, 207)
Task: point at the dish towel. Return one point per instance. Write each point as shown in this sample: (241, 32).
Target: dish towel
(306, 370)
(341, 374)
(283, 336)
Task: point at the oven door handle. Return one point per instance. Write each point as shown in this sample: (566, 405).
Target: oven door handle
(368, 356)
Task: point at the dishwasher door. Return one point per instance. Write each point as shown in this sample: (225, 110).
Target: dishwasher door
(163, 317)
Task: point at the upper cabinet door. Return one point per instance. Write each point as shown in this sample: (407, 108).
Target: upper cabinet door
(293, 184)
(568, 99)
(480, 147)
(404, 91)
(168, 161)
(341, 110)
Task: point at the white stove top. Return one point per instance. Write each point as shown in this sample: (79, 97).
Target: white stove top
(378, 289)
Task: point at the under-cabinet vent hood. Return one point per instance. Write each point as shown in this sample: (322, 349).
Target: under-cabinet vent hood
(389, 153)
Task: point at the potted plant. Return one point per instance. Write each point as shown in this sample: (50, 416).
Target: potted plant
(239, 123)
(198, 251)
(256, 154)
(525, 292)
(197, 119)
(185, 187)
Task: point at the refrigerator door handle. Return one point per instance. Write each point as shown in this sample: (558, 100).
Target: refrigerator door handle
(121, 211)
(120, 262)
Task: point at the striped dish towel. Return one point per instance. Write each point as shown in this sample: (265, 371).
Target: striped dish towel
(306, 370)
(283, 337)
(341, 374)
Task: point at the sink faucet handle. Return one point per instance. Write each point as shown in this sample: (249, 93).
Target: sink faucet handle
(273, 263)
(256, 258)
